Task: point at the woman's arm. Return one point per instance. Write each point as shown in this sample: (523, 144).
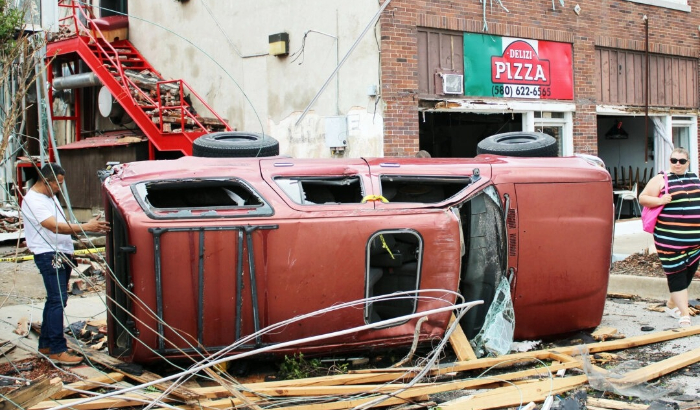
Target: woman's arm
(650, 195)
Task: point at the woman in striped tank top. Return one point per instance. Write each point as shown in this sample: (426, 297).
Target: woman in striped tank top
(677, 231)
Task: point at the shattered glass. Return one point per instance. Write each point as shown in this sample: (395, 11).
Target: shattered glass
(496, 336)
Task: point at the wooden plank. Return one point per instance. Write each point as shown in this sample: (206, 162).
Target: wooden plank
(605, 76)
(515, 395)
(27, 396)
(614, 67)
(88, 384)
(659, 369)
(175, 119)
(682, 81)
(630, 79)
(605, 332)
(614, 404)
(598, 75)
(125, 400)
(318, 390)
(460, 343)
(95, 356)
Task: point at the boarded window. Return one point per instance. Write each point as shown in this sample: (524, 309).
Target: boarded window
(198, 198)
(322, 190)
(621, 76)
(431, 190)
(439, 51)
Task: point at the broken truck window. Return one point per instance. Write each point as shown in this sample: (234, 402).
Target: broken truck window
(203, 198)
(431, 190)
(393, 265)
(322, 190)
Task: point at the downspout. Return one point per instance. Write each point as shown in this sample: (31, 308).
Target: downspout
(646, 90)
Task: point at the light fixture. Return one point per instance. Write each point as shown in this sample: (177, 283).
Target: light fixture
(616, 132)
(279, 44)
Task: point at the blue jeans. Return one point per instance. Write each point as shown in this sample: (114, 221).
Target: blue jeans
(56, 283)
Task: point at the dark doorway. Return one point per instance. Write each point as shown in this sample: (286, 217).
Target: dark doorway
(113, 7)
(455, 134)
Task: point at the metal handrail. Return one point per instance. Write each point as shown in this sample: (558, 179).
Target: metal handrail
(126, 82)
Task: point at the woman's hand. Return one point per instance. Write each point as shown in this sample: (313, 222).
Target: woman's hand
(666, 199)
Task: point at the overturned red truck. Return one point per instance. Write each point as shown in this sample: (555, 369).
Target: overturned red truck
(205, 251)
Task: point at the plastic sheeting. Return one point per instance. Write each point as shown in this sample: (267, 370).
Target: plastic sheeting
(605, 380)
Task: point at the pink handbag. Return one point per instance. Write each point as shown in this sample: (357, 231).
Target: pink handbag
(649, 215)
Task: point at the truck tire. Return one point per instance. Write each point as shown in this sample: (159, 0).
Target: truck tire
(230, 144)
(519, 144)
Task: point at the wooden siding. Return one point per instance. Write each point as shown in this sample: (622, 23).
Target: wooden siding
(620, 75)
(438, 51)
(81, 167)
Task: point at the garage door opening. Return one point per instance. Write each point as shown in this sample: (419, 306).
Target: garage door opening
(456, 134)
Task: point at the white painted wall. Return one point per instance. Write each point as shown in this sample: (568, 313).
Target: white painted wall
(266, 93)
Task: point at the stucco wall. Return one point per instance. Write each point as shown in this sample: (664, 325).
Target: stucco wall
(262, 92)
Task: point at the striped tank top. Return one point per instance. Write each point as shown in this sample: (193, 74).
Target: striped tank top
(677, 231)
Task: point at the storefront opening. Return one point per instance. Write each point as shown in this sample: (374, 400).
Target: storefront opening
(456, 134)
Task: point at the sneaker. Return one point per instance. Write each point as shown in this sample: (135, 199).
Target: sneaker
(65, 358)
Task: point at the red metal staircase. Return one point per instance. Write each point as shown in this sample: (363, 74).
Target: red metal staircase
(159, 108)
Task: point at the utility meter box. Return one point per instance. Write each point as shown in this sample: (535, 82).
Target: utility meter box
(336, 132)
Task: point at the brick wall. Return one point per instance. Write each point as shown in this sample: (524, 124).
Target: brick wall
(612, 23)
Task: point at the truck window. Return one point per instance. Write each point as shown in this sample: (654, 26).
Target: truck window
(199, 198)
(322, 190)
(402, 188)
(393, 265)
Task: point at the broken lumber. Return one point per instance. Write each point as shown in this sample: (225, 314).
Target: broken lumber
(621, 295)
(125, 400)
(614, 404)
(176, 119)
(460, 343)
(110, 362)
(602, 333)
(27, 396)
(659, 369)
(515, 395)
(88, 384)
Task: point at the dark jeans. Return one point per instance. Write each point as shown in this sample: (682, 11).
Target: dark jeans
(56, 283)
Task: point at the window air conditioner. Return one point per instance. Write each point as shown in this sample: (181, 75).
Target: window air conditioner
(451, 83)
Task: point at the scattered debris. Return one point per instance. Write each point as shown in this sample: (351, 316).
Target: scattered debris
(31, 394)
(603, 333)
(639, 264)
(661, 307)
(629, 296)
(524, 346)
(22, 327)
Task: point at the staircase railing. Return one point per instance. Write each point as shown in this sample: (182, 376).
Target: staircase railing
(109, 53)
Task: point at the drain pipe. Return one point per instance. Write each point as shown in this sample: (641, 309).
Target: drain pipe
(76, 81)
(646, 90)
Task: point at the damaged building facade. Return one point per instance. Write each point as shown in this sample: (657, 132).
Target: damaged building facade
(442, 75)
(577, 71)
(617, 78)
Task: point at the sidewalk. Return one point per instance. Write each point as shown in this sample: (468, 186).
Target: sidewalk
(78, 309)
(630, 239)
